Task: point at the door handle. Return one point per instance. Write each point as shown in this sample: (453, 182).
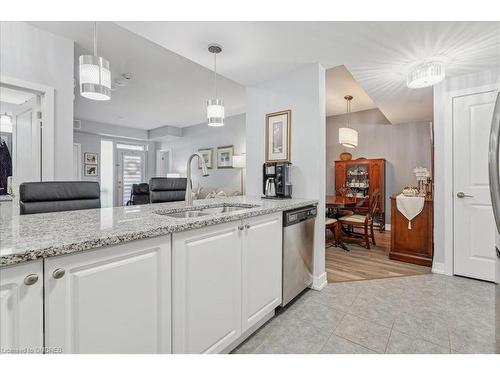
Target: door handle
(461, 194)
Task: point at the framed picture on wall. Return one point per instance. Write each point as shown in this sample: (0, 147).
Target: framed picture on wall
(91, 170)
(207, 154)
(90, 158)
(278, 136)
(225, 156)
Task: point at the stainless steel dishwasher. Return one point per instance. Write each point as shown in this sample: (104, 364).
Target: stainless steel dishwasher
(298, 250)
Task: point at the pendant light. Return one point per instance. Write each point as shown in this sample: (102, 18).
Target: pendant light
(426, 74)
(348, 137)
(215, 106)
(95, 75)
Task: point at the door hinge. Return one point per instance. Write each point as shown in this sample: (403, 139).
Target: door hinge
(39, 115)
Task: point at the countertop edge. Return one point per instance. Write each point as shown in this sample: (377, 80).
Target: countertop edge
(96, 243)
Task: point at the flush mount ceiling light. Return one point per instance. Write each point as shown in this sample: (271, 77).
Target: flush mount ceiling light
(425, 74)
(95, 75)
(215, 106)
(348, 137)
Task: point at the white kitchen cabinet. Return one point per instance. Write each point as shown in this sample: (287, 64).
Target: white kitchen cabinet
(21, 308)
(111, 300)
(226, 278)
(206, 288)
(261, 267)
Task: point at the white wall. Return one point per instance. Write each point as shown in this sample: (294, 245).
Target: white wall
(443, 160)
(303, 92)
(34, 55)
(404, 146)
(203, 136)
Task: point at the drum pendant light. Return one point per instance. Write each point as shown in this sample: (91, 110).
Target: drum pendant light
(215, 106)
(348, 137)
(95, 75)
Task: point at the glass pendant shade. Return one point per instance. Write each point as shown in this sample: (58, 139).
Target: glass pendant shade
(215, 112)
(425, 75)
(348, 137)
(215, 107)
(95, 77)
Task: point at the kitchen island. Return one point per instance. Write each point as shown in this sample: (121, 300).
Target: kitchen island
(142, 279)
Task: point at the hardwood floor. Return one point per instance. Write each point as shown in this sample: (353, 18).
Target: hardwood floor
(363, 264)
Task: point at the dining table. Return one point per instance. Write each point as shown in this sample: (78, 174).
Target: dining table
(334, 204)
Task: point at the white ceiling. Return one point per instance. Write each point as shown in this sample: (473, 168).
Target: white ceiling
(166, 89)
(339, 83)
(8, 95)
(378, 54)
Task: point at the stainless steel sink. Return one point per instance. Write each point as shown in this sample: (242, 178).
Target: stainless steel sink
(196, 212)
(184, 214)
(224, 209)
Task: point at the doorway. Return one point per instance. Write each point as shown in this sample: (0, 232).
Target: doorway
(20, 137)
(162, 163)
(130, 170)
(474, 225)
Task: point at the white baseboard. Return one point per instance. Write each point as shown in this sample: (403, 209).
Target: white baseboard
(388, 227)
(319, 282)
(438, 268)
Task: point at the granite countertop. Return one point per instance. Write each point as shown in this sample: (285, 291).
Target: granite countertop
(29, 237)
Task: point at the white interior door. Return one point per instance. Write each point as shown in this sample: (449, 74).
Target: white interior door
(26, 139)
(162, 163)
(130, 170)
(474, 225)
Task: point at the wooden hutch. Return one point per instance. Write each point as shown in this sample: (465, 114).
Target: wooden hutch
(363, 177)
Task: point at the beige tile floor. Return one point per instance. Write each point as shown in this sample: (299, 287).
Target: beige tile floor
(422, 314)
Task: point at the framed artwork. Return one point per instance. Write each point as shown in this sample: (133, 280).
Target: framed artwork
(207, 154)
(90, 158)
(225, 156)
(91, 170)
(278, 136)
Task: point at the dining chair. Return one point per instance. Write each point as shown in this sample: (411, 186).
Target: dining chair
(363, 221)
(54, 196)
(332, 225)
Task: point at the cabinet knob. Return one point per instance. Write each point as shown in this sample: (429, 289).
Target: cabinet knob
(247, 226)
(58, 273)
(31, 279)
(240, 227)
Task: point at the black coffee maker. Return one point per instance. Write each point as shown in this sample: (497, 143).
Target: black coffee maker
(276, 180)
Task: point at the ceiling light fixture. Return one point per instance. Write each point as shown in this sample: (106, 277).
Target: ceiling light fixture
(425, 74)
(95, 75)
(348, 137)
(215, 106)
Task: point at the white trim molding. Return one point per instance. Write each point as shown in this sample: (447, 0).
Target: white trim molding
(438, 268)
(319, 282)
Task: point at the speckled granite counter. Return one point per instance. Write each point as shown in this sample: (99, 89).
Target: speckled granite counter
(29, 237)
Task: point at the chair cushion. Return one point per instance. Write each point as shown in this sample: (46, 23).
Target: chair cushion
(54, 196)
(354, 218)
(165, 189)
(329, 220)
(167, 184)
(58, 191)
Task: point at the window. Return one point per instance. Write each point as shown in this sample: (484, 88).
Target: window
(131, 147)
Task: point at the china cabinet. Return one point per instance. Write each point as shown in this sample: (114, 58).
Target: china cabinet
(361, 178)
